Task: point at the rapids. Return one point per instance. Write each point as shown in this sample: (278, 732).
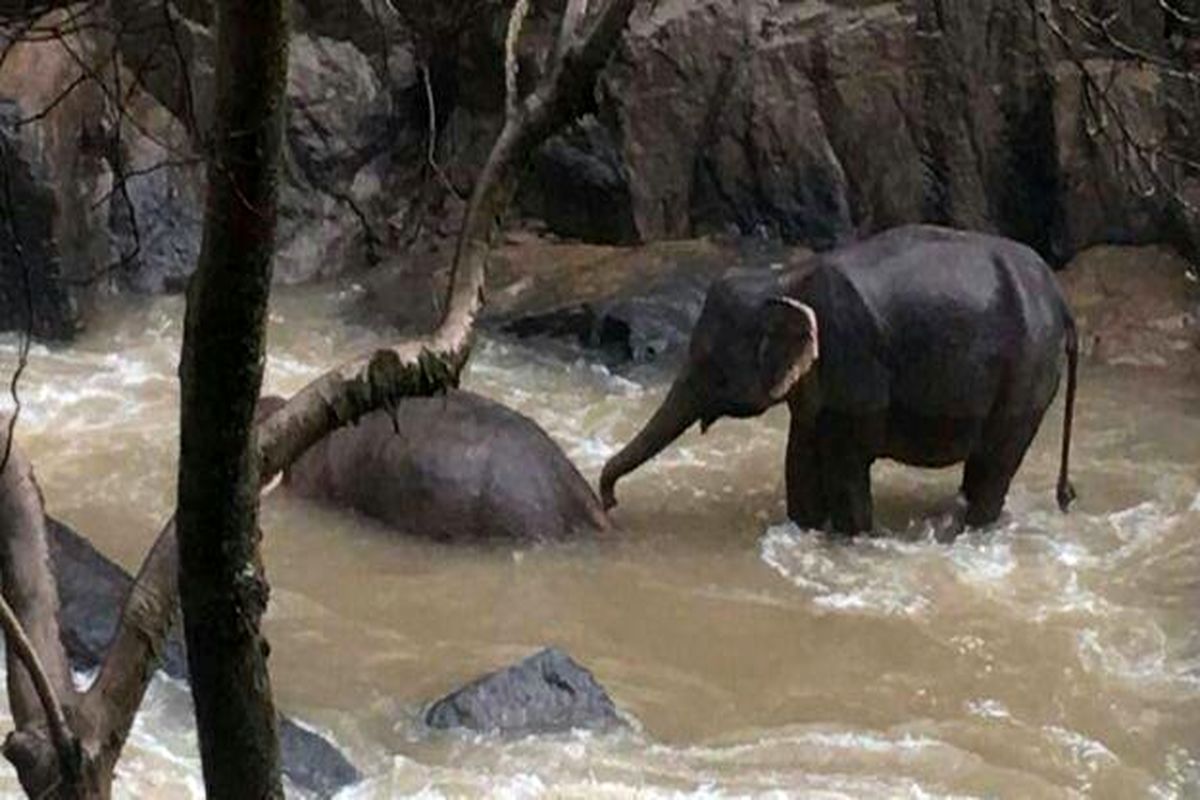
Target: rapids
(1052, 656)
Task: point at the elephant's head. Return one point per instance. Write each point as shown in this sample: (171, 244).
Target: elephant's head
(750, 348)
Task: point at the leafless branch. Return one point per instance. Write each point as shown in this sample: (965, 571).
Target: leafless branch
(53, 104)
(26, 334)
(1175, 13)
(573, 16)
(1103, 28)
(185, 79)
(515, 21)
(431, 147)
(65, 742)
(1100, 109)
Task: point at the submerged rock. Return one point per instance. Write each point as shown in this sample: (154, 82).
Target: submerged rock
(91, 589)
(548, 692)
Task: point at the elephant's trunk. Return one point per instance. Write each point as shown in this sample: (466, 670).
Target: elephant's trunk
(679, 410)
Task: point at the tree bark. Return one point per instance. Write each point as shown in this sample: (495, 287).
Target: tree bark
(221, 581)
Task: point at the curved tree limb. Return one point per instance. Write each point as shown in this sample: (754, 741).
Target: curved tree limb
(40, 689)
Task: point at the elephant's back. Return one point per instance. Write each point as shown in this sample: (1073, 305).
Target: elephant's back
(982, 309)
(452, 467)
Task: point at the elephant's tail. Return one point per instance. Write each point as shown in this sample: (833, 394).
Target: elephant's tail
(1066, 492)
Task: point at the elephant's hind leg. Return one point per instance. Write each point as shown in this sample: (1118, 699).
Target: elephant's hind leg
(990, 469)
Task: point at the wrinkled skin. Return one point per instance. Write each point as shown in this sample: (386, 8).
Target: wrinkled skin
(925, 345)
(457, 467)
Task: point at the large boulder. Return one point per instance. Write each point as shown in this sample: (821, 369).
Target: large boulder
(91, 591)
(628, 305)
(1138, 306)
(548, 692)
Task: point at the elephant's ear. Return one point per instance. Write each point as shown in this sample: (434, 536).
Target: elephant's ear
(789, 347)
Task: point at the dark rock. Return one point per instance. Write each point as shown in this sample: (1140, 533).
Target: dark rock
(633, 306)
(546, 693)
(579, 187)
(652, 325)
(91, 590)
(156, 216)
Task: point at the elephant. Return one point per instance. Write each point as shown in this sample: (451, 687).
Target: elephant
(927, 345)
(455, 467)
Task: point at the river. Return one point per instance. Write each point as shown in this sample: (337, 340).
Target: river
(1052, 656)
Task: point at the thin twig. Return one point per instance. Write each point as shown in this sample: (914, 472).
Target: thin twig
(1145, 156)
(185, 78)
(26, 335)
(1172, 11)
(431, 148)
(1103, 29)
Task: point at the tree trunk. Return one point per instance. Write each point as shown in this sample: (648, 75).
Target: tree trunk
(222, 585)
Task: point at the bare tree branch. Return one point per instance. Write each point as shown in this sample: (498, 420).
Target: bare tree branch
(431, 146)
(65, 743)
(515, 21)
(26, 335)
(1103, 29)
(572, 18)
(1100, 109)
(39, 681)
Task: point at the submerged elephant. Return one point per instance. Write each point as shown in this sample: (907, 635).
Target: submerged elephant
(453, 467)
(926, 345)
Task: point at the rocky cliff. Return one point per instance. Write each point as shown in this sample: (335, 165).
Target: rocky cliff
(809, 122)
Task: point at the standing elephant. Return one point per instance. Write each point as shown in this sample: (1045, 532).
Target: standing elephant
(455, 467)
(923, 344)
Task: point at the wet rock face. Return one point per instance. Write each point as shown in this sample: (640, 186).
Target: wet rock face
(546, 693)
(817, 122)
(1135, 306)
(52, 175)
(91, 589)
(810, 123)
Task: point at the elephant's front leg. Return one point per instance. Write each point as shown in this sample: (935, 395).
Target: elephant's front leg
(846, 474)
(805, 500)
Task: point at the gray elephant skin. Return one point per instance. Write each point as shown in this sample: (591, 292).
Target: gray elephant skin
(455, 467)
(926, 345)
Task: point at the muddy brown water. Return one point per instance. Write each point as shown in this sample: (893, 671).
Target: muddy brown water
(1053, 656)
